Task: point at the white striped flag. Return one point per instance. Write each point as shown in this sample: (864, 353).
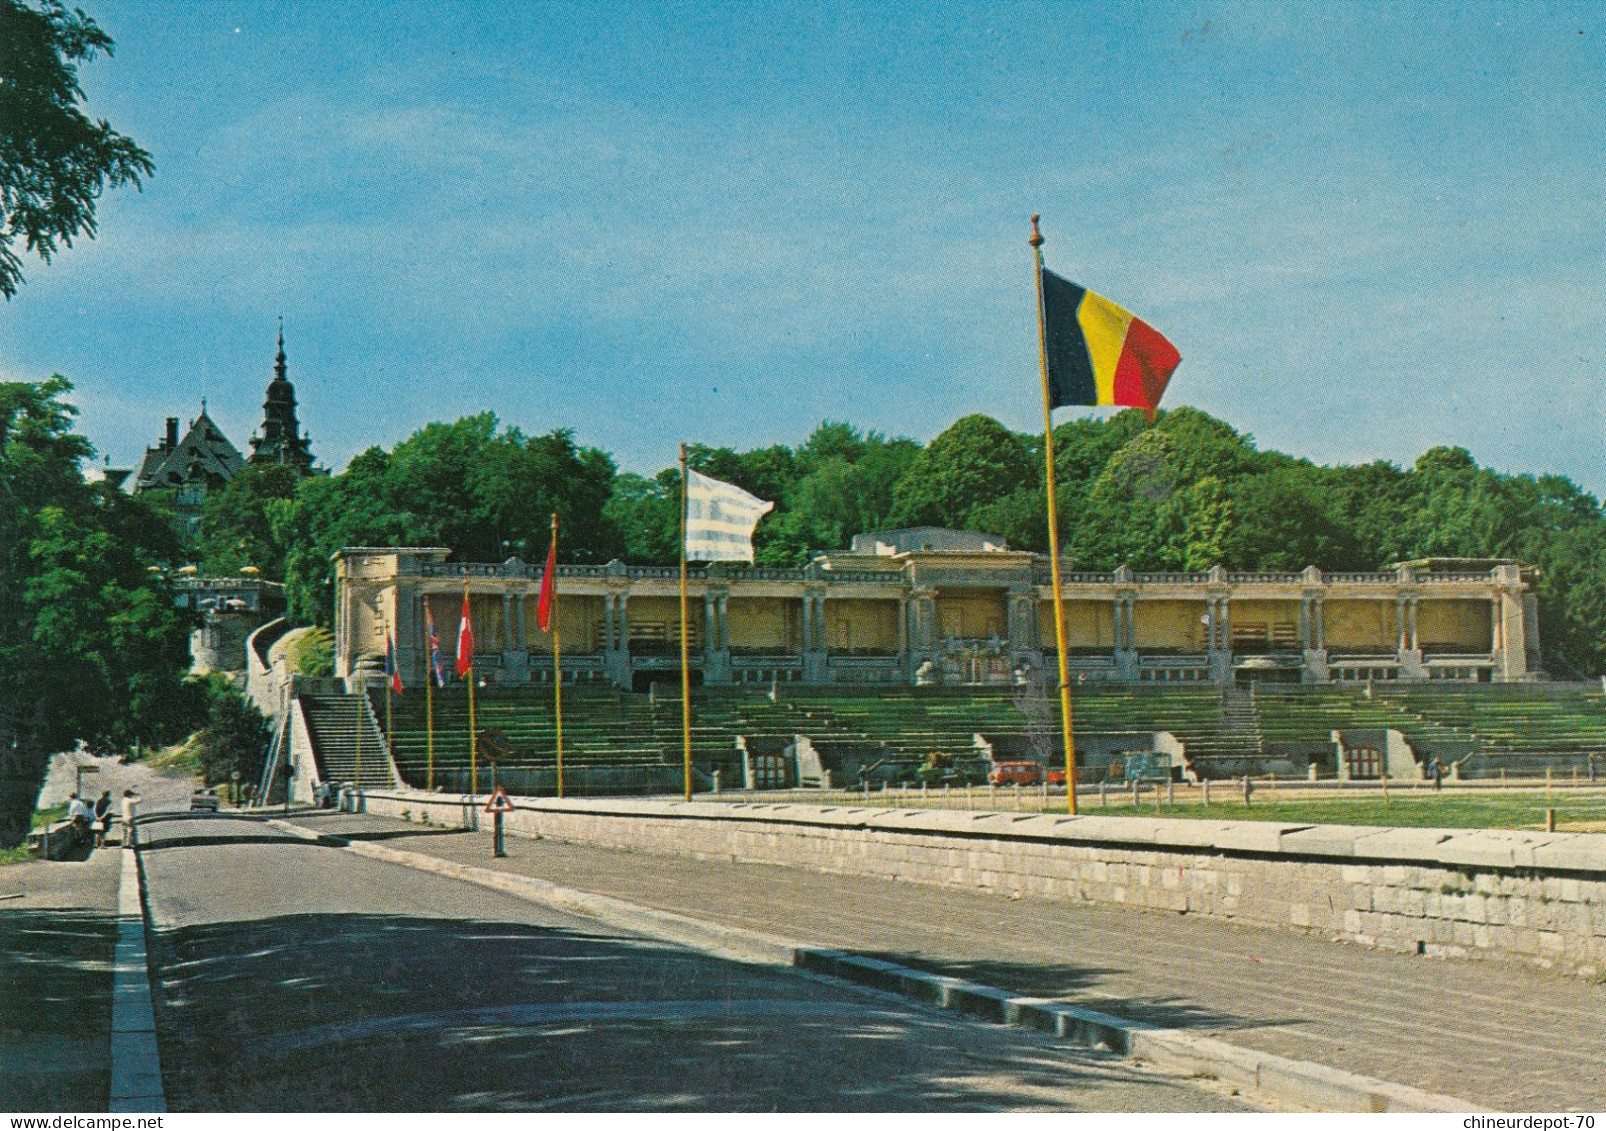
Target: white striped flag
(720, 518)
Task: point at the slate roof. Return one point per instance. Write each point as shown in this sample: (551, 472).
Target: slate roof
(204, 455)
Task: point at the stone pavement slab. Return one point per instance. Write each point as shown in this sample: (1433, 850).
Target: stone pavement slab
(1495, 1034)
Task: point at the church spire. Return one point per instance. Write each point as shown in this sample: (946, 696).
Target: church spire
(280, 440)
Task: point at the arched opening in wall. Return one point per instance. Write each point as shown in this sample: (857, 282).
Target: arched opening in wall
(1364, 761)
(769, 771)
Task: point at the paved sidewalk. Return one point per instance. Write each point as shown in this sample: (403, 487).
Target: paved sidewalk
(1499, 1035)
(58, 932)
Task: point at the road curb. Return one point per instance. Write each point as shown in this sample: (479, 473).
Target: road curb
(136, 1075)
(1296, 1081)
(1304, 1083)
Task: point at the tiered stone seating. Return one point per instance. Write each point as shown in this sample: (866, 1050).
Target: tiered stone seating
(896, 729)
(1514, 719)
(1311, 714)
(598, 727)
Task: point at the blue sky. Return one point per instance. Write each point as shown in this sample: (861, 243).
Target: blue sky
(1369, 228)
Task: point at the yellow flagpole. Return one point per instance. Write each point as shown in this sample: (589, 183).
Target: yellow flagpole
(685, 658)
(390, 683)
(557, 656)
(1053, 528)
(473, 747)
(357, 773)
(429, 691)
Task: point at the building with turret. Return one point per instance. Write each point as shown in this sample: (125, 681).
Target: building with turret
(203, 458)
(201, 461)
(279, 440)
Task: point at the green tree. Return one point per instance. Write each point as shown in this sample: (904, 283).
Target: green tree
(54, 160)
(484, 492)
(237, 521)
(235, 737)
(963, 469)
(646, 513)
(92, 646)
(1133, 512)
(1207, 525)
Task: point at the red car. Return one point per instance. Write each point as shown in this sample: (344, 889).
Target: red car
(1016, 773)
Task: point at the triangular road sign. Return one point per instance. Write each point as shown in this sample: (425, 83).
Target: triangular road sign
(499, 802)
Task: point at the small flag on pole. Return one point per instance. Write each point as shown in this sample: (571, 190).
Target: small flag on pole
(434, 647)
(392, 672)
(1099, 353)
(720, 518)
(549, 584)
(465, 637)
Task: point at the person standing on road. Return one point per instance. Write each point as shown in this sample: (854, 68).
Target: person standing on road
(103, 818)
(130, 810)
(79, 813)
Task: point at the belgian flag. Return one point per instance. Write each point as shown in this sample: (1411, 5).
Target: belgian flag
(1099, 353)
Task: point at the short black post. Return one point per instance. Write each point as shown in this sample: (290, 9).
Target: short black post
(499, 851)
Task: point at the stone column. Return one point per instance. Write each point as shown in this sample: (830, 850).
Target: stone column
(607, 622)
(1220, 662)
(515, 662)
(1315, 646)
(1126, 637)
(616, 656)
(716, 641)
(1410, 657)
(816, 664)
(1304, 624)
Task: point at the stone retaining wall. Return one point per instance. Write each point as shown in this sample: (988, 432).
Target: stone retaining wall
(1524, 896)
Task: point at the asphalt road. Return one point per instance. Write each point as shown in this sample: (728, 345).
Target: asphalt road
(290, 976)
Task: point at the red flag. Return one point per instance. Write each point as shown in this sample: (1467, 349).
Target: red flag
(465, 640)
(391, 668)
(549, 585)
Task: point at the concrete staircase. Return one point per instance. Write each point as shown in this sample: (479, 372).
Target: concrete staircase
(347, 741)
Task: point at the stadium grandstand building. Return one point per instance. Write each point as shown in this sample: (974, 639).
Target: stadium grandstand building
(936, 607)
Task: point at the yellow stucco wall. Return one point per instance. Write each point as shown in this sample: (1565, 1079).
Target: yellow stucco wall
(1359, 624)
(1266, 623)
(368, 630)
(971, 614)
(656, 621)
(765, 624)
(1462, 624)
(1088, 624)
(1173, 626)
(580, 621)
(862, 626)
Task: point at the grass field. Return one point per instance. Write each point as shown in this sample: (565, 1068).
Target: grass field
(1517, 810)
(1577, 810)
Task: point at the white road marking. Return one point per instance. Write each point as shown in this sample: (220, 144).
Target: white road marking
(136, 1066)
